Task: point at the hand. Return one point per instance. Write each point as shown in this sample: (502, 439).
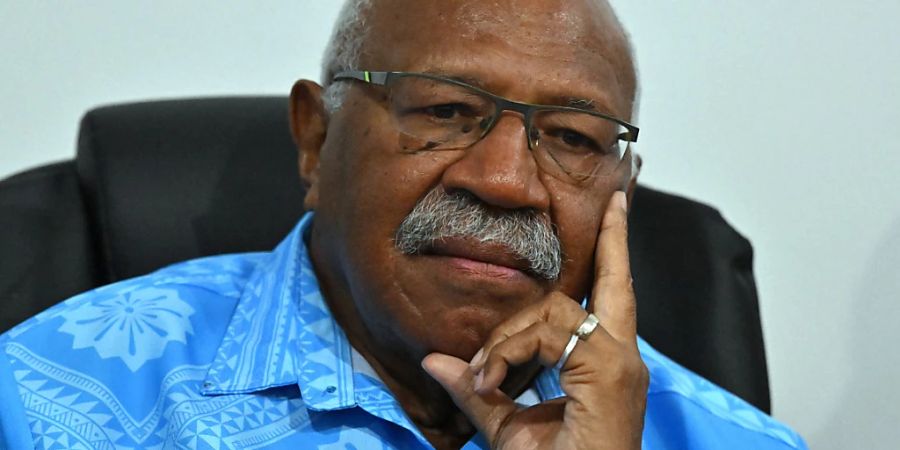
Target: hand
(604, 379)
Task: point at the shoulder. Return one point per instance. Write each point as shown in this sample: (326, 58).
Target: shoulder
(117, 351)
(685, 410)
(204, 279)
(130, 323)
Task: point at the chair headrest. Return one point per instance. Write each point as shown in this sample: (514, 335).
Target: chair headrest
(196, 175)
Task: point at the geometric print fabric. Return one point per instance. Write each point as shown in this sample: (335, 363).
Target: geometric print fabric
(240, 351)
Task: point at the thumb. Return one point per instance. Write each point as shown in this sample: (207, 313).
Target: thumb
(488, 412)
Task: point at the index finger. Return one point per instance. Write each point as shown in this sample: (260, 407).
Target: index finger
(488, 412)
(613, 296)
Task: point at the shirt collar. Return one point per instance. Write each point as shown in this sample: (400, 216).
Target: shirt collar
(282, 333)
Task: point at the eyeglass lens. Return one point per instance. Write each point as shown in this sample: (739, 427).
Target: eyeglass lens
(440, 115)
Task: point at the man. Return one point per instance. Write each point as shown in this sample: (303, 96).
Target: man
(467, 164)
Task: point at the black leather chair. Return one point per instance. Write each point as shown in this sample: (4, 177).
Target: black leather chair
(159, 182)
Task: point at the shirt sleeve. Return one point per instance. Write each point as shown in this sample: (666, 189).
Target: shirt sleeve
(14, 430)
(677, 422)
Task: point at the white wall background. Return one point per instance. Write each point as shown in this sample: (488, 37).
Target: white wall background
(784, 114)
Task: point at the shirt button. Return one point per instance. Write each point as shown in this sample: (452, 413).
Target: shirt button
(330, 389)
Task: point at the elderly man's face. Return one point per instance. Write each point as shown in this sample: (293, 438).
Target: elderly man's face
(363, 185)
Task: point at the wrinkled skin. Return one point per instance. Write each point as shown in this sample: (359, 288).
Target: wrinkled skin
(396, 309)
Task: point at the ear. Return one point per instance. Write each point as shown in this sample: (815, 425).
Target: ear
(632, 183)
(309, 125)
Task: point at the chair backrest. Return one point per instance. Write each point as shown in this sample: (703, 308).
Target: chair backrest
(158, 182)
(174, 180)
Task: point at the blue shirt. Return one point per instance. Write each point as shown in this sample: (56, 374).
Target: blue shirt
(240, 351)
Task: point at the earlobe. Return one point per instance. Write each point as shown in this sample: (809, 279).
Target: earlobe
(309, 126)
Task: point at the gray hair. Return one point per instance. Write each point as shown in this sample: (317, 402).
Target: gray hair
(344, 49)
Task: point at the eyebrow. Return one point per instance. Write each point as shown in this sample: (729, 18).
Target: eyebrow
(472, 81)
(586, 104)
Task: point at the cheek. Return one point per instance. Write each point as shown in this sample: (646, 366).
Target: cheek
(375, 181)
(369, 186)
(386, 187)
(578, 214)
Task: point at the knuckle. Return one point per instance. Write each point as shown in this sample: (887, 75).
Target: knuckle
(497, 350)
(617, 371)
(644, 377)
(492, 358)
(628, 370)
(554, 301)
(561, 308)
(496, 358)
(615, 219)
(514, 349)
(496, 337)
(629, 308)
(605, 272)
(541, 330)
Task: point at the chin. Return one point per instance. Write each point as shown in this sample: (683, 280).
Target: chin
(451, 306)
(459, 328)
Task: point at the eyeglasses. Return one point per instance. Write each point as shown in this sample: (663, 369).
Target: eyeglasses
(436, 113)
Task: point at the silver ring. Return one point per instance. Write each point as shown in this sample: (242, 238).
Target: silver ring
(566, 353)
(587, 327)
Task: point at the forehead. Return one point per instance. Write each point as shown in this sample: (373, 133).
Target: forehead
(525, 49)
(551, 21)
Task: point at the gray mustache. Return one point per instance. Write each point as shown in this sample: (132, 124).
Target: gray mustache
(529, 234)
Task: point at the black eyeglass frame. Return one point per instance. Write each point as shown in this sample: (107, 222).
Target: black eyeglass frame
(503, 104)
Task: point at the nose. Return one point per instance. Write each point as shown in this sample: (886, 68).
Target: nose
(499, 169)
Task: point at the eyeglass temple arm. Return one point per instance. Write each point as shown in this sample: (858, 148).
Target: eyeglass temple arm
(379, 78)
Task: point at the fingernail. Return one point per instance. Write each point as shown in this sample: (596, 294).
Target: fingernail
(479, 379)
(477, 358)
(622, 200)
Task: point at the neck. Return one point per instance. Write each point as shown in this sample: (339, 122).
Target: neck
(398, 362)
(424, 400)
(421, 397)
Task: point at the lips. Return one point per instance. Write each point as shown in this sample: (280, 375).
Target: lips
(480, 256)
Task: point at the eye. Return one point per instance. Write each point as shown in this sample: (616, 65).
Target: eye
(575, 141)
(447, 111)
